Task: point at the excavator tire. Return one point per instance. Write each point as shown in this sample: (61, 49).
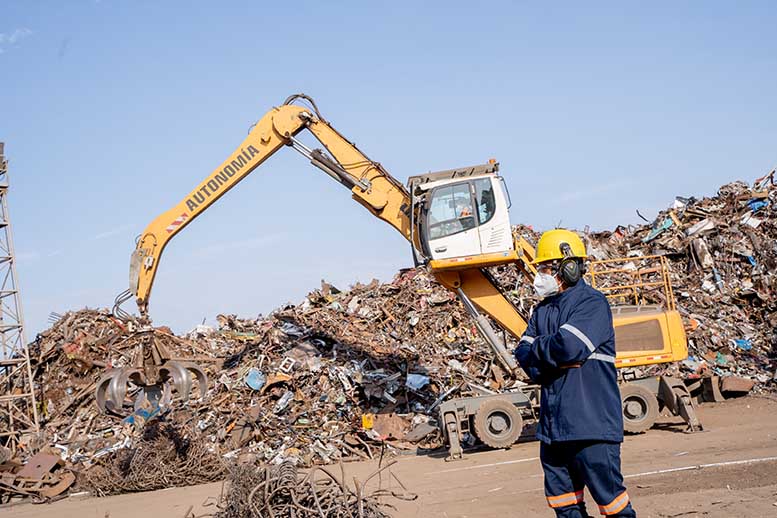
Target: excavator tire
(498, 423)
(640, 408)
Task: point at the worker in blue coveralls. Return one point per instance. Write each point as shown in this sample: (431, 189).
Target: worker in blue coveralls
(569, 349)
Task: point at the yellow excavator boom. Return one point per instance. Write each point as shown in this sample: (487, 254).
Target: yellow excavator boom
(370, 185)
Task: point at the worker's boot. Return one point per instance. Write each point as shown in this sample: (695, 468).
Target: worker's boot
(573, 511)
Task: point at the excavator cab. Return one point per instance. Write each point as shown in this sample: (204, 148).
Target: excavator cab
(461, 219)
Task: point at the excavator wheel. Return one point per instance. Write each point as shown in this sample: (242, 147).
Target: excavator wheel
(640, 408)
(498, 423)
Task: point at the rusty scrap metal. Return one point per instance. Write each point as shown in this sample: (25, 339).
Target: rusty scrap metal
(41, 478)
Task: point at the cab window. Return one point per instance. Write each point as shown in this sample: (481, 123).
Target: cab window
(451, 211)
(484, 196)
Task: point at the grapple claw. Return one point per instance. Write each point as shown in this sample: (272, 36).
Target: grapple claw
(181, 374)
(158, 395)
(202, 378)
(182, 380)
(153, 370)
(100, 389)
(111, 389)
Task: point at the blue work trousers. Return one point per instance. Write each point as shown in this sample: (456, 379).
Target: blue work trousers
(570, 466)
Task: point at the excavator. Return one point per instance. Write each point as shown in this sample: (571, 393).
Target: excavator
(458, 225)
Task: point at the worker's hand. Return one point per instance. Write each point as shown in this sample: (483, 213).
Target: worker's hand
(571, 366)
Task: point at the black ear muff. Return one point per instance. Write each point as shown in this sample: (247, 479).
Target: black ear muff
(571, 268)
(571, 272)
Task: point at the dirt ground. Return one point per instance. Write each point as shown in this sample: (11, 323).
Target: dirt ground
(729, 470)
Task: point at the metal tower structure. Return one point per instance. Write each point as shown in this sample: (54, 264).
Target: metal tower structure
(18, 409)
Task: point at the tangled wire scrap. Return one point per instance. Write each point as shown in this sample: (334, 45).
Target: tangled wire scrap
(280, 491)
(164, 457)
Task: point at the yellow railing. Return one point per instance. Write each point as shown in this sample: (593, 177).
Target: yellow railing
(632, 280)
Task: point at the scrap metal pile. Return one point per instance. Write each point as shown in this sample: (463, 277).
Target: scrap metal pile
(295, 384)
(722, 255)
(333, 377)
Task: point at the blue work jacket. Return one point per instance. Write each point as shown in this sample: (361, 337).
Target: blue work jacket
(569, 349)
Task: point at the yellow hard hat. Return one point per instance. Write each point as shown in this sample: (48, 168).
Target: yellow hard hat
(549, 247)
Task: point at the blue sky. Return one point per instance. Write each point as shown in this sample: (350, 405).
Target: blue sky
(113, 111)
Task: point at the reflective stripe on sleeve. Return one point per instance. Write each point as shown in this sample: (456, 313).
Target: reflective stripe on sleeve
(528, 339)
(580, 335)
(565, 499)
(616, 506)
(602, 357)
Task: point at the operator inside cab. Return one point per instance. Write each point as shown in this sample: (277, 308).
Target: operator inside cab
(569, 349)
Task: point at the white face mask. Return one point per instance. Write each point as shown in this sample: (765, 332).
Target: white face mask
(545, 285)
